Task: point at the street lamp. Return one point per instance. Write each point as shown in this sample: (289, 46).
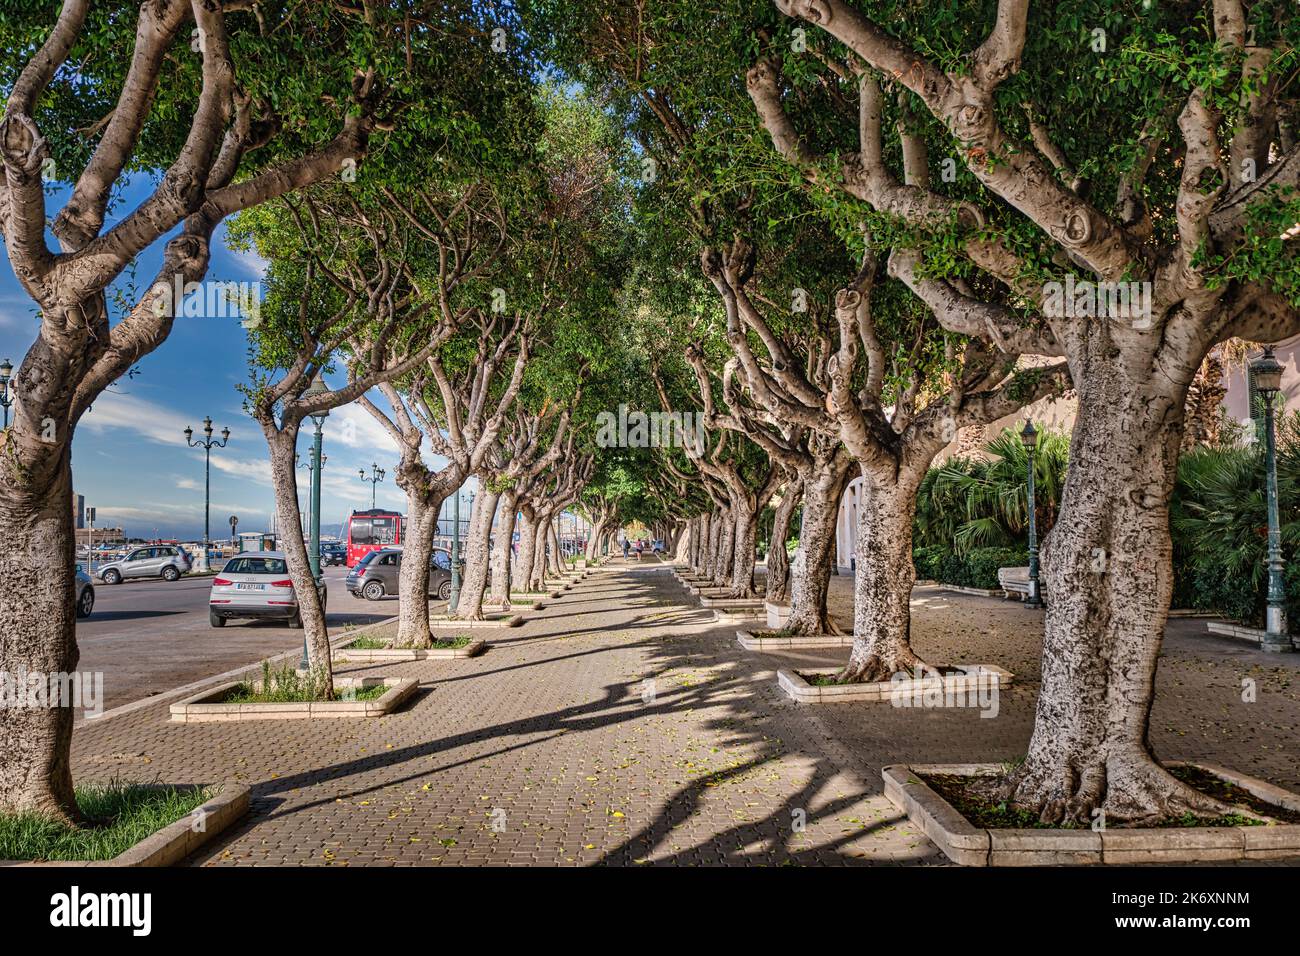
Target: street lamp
(376, 476)
(316, 389)
(454, 602)
(1029, 436)
(207, 443)
(6, 398)
(1267, 373)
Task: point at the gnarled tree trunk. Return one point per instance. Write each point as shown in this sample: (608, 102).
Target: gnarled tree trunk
(524, 560)
(470, 605)
(744, 540)
(37, 634)
(503, 553)
(882, 587)
(422, 507)
(1108, 565)
(822, 491)
(777, 586)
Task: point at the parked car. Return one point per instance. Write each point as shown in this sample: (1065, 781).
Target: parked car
(85, 593)
(167, 561)
(375, 575)
(255, 585)
(333, 554)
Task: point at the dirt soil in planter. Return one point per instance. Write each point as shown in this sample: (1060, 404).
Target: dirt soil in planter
(975, 799)
(828, 680)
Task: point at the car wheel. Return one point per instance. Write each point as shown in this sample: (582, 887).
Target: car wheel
(295, 622)
(86, 603)
(444, 591)
(171, 574)
(373, 591)
(112, 576)
(216, 620)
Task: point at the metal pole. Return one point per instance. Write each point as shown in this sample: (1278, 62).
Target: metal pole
(455, 553)
(207, 497)
(1276, 639)
(1033, 599)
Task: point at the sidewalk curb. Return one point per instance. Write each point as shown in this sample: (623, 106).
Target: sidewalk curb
(198, 685)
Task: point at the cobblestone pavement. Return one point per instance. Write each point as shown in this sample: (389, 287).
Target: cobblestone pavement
(620, 725)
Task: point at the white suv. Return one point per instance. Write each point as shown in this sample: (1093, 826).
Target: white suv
(255, 585)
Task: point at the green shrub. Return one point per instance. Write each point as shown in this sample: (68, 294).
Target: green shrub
(927, 561)
(982, 565)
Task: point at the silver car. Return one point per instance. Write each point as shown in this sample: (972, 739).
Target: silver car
(255, 585)
(85, 593)
(375, 575)
(166, 561)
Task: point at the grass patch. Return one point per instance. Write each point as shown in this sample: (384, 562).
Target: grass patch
(368, 644)
(286, 686)
(118, 815)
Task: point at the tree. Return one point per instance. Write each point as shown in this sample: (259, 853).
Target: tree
(1167, 217)
(203, 97)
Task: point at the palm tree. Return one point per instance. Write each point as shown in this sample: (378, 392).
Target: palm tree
(981, 502)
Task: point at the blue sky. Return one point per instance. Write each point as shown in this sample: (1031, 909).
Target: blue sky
(129, 456)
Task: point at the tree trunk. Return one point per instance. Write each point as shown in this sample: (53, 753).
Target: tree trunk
(1108, 567)
(470, 605)
(882, 588)
(522, 574)
(744, 544)
(284, 474)
(37, 635)
(777, 587)
(685, 544)
(822, 491)
(504, 562)
(537, 570)
(722, 568)
(421, 524)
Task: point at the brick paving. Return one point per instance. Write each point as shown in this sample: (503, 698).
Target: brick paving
(619, 725)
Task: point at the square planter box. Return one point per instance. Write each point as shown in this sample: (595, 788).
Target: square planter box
(362, 655)
(1230, 629)
(964, 843)
(177, 840)
(725, 614)
(777, 615)
(751, 642)
(534, 597)
(708, 590)
(206, 707)
(905, 693)
(978, 592)
(754, 604)
(490, 619)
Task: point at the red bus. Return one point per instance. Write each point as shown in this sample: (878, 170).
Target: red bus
(371, 530)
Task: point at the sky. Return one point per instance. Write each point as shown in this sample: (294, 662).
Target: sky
(129, 457)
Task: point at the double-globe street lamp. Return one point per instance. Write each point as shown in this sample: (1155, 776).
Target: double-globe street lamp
(207, 443)
(1029, 436)
(1267, 374)
(375, 477)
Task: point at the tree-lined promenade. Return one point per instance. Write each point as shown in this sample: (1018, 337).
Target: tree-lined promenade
(829, 235)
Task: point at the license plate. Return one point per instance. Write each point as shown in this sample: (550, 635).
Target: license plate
(250, 587)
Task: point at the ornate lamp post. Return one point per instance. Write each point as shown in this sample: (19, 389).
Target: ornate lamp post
(376, 476)
(316, 389)
(207, 443)
(1267, 373)
(6, 397)
(1029, 436)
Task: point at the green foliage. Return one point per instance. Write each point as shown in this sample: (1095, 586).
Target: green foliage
(981, 501)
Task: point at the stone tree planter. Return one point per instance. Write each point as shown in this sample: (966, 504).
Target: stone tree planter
(209, 706)
(964, 843)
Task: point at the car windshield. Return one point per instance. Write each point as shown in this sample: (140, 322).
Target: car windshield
(255, 566)
(442, 559)
(366, 558)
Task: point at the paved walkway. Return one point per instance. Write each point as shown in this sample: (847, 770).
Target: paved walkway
(620, 725)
